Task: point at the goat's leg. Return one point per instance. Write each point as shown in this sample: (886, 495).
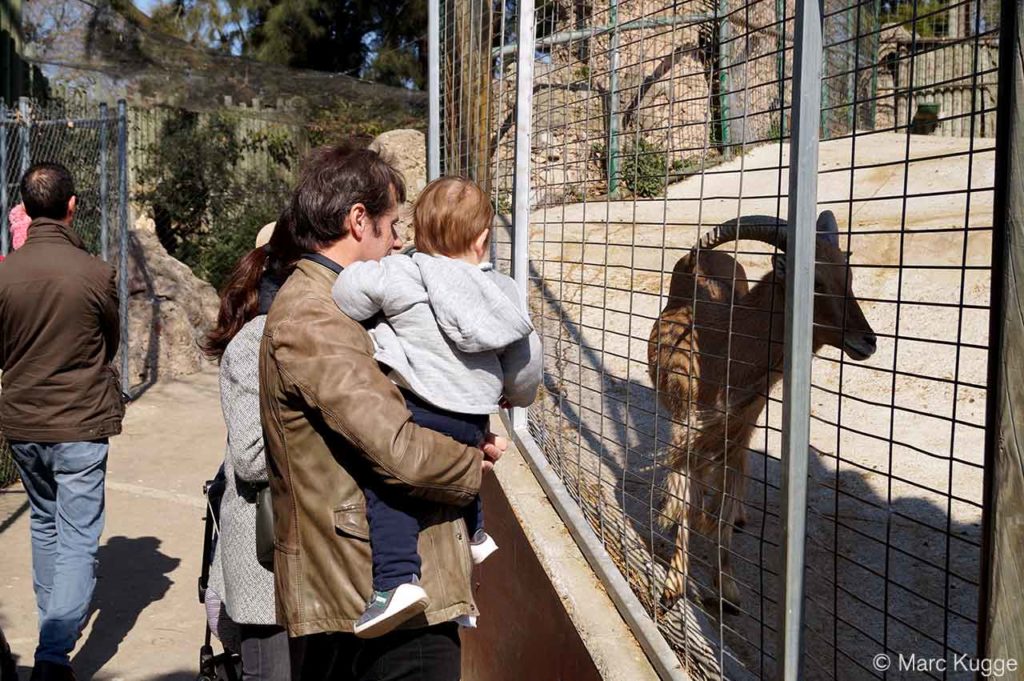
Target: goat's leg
(731, 506)
(679, 567)
(724, 581)
(739, 464)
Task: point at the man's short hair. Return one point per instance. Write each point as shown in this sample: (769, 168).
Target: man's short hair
(331, 181)
(450, 214)
(46, 189)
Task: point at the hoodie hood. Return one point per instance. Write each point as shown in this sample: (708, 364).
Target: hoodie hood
(470, 308)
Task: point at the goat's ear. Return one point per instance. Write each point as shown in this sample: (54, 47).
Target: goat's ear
(827, 228)
(779, 265)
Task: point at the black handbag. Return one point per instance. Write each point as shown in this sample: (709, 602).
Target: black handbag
(265, 528)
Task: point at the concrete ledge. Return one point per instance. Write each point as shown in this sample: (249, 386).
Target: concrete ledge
(544, 615)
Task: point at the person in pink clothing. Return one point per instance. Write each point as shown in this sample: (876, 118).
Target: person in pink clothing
(19, 221)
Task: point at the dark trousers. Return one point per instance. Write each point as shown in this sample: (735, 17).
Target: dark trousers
(428, 654)
(394, 518)
(265, 653)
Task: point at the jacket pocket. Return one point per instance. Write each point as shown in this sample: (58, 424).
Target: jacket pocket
(350, 520)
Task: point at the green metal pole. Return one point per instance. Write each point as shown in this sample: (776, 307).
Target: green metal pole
(613, 100)
(851, 70)
(874, 63)
(723, 76)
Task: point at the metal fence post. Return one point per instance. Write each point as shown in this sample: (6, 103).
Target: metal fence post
(5, 229)
(122, 206)
(722, 17)
(1001, 613)
(104, 187)
(800, 247)
(26, 133)
(433, 89)
(521, 183)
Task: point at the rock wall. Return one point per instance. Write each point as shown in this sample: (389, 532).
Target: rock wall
(170, 311)
(406, 150)
(671, 89)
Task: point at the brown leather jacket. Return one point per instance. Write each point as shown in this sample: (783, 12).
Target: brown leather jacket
(330, 418)
(59, 331)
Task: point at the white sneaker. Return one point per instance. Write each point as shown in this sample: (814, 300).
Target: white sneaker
(481, 546)
(388, 609)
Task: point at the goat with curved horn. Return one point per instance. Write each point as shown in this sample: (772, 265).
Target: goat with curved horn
(708, 360)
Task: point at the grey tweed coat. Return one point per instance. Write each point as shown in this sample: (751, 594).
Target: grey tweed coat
(245, 586)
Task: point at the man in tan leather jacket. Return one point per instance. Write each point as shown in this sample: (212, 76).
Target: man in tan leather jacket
(331, 418)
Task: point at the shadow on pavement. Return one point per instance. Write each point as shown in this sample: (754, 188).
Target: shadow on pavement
(132, 574)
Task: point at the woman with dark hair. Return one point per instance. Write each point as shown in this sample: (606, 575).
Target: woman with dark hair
(246, 587)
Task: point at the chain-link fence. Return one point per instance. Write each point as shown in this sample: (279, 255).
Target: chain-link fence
(92, 143)
(623, 156)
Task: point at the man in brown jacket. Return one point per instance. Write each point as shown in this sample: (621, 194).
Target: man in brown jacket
(60, 402)
(331, 418)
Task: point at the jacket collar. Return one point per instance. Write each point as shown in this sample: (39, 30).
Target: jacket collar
(315, 269)
(48, 229)
(323, 260)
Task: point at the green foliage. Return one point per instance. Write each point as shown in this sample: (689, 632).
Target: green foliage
(206, 206)
(503, 204)
(582, 74)
(204, 23)
(383, 40)
(645, 169)
(363, 119)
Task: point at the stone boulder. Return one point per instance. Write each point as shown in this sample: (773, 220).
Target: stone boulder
(406, 150)
(170, 311)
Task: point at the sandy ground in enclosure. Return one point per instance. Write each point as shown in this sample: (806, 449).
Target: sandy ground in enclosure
(895, 488)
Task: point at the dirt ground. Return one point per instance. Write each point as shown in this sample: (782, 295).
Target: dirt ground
(897, 441)
(146, 621)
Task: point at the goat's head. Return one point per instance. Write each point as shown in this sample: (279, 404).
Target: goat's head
(838, 318)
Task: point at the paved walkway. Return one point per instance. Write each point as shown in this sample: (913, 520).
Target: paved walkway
(146, 621)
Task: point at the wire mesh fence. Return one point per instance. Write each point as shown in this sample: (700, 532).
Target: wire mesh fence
(83, 140)
(655, 124)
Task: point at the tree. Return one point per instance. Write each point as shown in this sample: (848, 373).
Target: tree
(381, 40)
(208, 23)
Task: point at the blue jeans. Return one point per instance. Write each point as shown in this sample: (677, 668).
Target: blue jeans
(64, 482)
(394, 517)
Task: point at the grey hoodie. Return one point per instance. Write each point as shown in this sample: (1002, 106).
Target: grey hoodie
(456, 335)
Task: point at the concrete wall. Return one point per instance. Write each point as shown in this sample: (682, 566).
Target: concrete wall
(556, 621)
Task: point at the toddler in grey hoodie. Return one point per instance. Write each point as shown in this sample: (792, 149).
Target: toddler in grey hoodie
(458, 341)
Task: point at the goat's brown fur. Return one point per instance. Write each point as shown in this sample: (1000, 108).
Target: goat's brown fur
(714, 354)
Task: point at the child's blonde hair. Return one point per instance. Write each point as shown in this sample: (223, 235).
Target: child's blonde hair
(450, 215)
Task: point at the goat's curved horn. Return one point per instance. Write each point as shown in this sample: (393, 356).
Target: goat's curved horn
(765, 228)
(828, 228)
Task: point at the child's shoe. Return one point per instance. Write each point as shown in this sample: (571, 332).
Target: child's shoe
(481, 546)
(388, 609)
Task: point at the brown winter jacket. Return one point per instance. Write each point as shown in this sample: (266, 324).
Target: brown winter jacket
(330, 418)
(59, 331)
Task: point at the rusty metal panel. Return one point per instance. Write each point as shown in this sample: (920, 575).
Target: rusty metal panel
(1003, 608)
